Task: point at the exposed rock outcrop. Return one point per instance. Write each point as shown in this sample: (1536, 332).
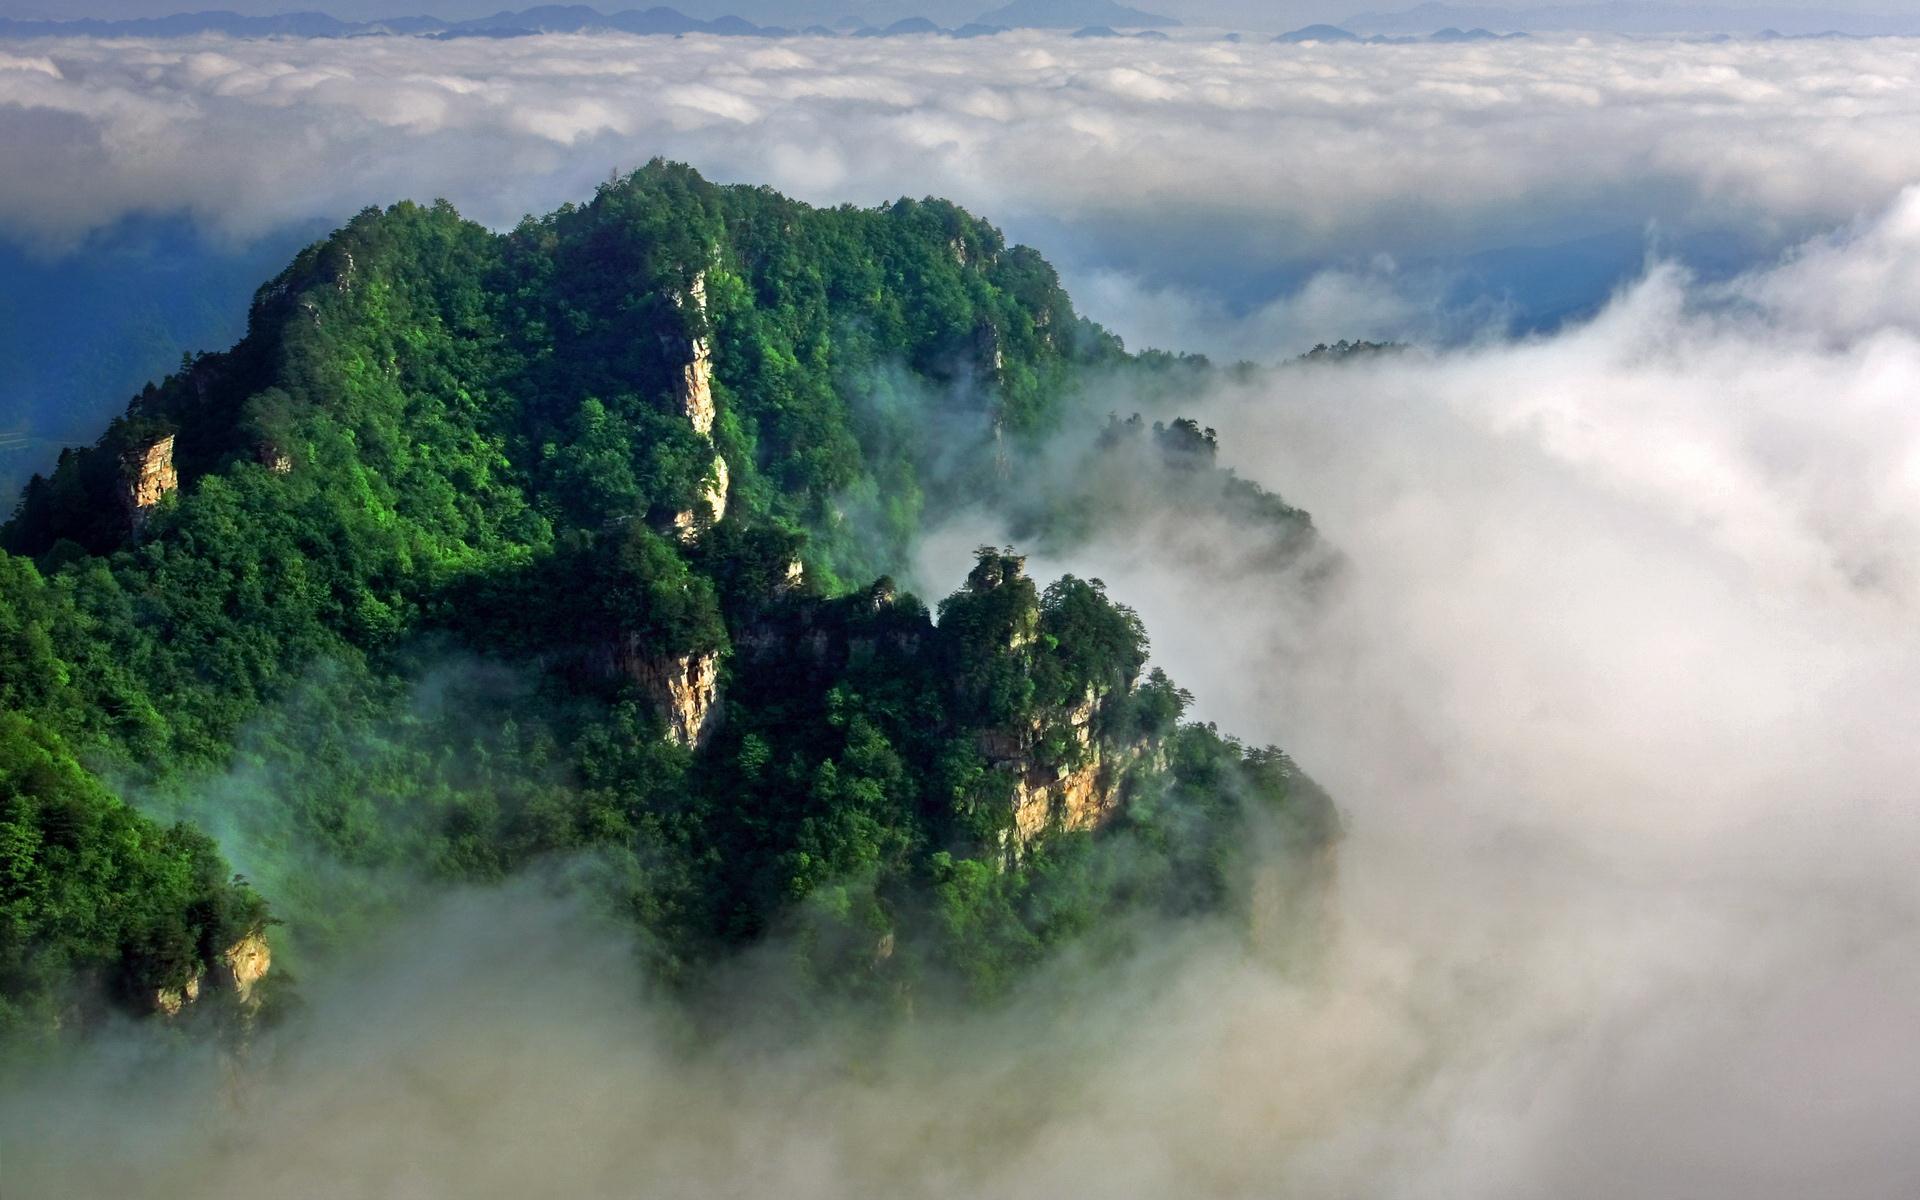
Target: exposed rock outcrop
(242, 966)
(237, 971)
(696, 389)
(1083, 793)
(1068, 769)
(147, 477)
(684, 689)
(273, 458)
(696, 380)
(172, 1001)
(687, 523)
(793, 580)
(816, 638)
(987, 349)
(992, 572)
(695, 394)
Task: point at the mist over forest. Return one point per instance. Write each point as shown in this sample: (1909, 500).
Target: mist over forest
(1043, 617)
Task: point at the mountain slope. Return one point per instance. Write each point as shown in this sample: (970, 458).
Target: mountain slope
(485, 550)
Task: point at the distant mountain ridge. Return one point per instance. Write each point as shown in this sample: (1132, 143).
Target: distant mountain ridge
(543, 19)
(1073, 14)
(1311, 34)
(1633, 16)
(573, 18)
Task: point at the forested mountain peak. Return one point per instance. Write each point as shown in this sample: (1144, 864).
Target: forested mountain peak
(577, 541)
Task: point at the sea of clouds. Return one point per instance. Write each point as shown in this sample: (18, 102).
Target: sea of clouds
(1616, 688)
(1224, 196)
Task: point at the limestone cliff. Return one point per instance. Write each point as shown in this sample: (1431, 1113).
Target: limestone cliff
(172, 1001)
(1067, 773)
(986, 345)
(695, 396)
(990, 574)
(684, 689)
(147, 477)
(688, 523)
(237, 971)
(813, 639)
(1081, 791)
(793, 580)
(696, 379)
(241, 966)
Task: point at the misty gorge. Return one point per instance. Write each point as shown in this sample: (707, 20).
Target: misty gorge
(1082, 603)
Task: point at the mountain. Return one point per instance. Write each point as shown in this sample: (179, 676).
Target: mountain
(578, 545)
(546, 19)
(543, 19)
(300, 24)
(1634, 16)
(581, 19)
(1071, 14)
(1317, 33)
(93, 325)
(1333, 33)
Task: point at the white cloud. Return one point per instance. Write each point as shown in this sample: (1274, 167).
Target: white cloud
(1617, 690)
(1286, 153)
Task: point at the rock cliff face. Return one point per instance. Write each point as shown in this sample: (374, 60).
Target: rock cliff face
(696, 405)
(684, 689)
(147, 476)
(237, 972)
(172, 1001)
(1066, 775)
(242, 966)
(986, 345)
(713, 496)
(1084, 793)
(815, 638)
(793, 580)
(696, 379)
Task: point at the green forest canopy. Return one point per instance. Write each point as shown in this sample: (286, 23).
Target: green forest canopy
(398, 613)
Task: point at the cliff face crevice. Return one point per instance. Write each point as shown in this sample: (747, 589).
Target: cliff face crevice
(172, 1001)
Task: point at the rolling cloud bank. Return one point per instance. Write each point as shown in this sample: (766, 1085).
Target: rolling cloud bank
(1215, 168)
(1616, 687)
(1240, 200)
